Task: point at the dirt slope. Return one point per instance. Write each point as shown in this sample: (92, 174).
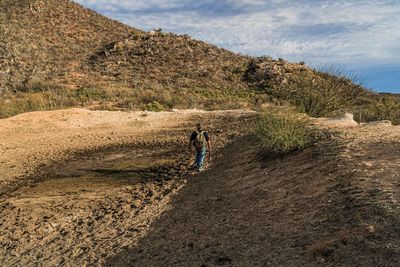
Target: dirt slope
(335, 204)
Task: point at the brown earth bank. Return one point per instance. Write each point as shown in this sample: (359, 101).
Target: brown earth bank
(85, 188)
(334, 204)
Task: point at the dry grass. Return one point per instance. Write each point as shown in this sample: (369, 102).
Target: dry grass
(47, 96)
(379, 107)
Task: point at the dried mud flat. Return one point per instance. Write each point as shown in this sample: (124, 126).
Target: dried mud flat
(110, 188)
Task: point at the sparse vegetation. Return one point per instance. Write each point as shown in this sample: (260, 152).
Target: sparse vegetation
(317, 93)
(282, 130)
(320, 94)
(326, 92)
(47, 96)
(51, 40)
(92, 61)
(379, 107)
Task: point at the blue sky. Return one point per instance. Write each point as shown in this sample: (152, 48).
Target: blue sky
(362, 36)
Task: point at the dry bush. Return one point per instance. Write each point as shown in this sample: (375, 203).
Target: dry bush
(13, 104)
(316, 92)
(381, 107)
(320, 94)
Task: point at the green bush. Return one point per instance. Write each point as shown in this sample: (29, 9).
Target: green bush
(282, 130)
(153, 106)
(87, 94)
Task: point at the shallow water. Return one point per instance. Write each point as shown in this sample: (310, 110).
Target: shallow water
(100, 172)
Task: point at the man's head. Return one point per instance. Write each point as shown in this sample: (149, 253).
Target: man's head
(199, 128)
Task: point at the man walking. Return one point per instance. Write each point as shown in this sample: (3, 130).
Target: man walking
(200, 139)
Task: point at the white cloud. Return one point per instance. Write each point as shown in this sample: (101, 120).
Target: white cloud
(361, 32)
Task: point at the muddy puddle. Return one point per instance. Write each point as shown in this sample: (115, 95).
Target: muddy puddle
(99, 202)
(99, 172)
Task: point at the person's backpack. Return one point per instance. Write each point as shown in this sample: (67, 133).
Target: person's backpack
(200, 140)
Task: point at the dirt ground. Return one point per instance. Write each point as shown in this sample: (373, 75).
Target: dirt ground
(78, 186)
(83, 188)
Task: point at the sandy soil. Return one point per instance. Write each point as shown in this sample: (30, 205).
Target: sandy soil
(110, 188)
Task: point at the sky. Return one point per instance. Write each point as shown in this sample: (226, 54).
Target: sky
(359, 36)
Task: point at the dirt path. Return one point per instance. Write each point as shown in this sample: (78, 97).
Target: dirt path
(256, 213)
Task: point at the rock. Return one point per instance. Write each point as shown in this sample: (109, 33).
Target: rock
(348, 116)
(346, 120)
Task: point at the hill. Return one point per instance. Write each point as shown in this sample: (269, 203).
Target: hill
(63, 42)
(51, 40)
(57, 54)
(167, 60)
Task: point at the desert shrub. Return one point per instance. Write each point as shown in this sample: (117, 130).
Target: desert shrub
(319, 95)
(282, 130)
(46, 96)
(153, 106)
(37, 86)
(13, 104)
(90, 93)
(177, 101)
(383, 107)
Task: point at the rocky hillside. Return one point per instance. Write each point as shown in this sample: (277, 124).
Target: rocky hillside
(50, 40)
(63, 42)
(169, 60)
(49, 48)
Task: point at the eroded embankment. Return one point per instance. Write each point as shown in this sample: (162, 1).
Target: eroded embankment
(334, 203)
(312, 207)
(97, 201)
